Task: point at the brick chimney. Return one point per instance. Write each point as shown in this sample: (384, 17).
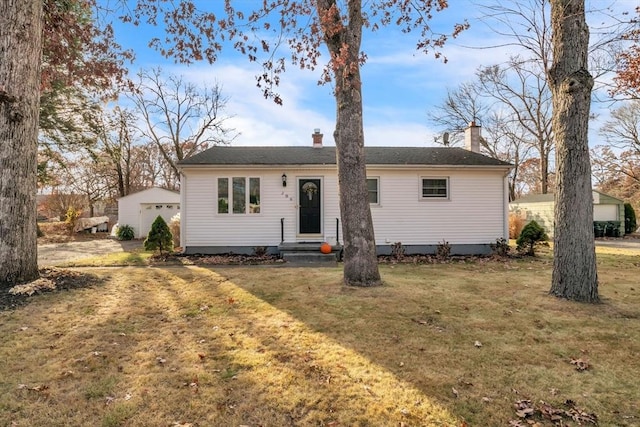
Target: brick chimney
(472, 137)
(317, 138)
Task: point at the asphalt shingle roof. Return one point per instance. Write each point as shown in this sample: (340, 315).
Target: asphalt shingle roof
(441, 156)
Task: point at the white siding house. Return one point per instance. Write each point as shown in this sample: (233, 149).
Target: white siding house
(540, 207)
(140, 209)
(235, 199)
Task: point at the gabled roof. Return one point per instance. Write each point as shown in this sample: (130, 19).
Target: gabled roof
(151, 191)
(428, 156)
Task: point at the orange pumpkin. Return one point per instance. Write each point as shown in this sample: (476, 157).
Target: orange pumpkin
(325, 248)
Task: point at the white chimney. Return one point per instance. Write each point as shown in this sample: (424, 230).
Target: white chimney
(317, 138)
(472, 137)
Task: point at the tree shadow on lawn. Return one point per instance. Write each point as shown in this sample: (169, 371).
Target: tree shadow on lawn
(479, 336)
(156, 346)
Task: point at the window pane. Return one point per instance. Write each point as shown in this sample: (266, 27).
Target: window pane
(223, 195)
(254, 195)
(239, 196)
(434, 187)
(372, 187)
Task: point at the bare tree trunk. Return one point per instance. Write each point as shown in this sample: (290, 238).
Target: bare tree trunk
(20, 58)
(360, 259)
(544, 171)
(574, 263)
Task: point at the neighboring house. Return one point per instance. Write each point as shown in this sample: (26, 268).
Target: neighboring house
(235, 199)
(539, 207)
(140, 209)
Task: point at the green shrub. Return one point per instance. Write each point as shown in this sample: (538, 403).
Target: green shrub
(159, 238)
(531, 234)
(125, 232)
(629, 219)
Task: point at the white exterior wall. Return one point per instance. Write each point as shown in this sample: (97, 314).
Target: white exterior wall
(203, 226)
(130, 207)
(474, 213)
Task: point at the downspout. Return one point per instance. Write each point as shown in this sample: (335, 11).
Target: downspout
(183, 213)
(505, 210)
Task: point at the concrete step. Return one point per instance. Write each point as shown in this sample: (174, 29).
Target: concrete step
(305, 247)
(307, 257)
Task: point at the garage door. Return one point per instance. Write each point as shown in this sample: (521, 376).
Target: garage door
(149, 213)
(605, 213)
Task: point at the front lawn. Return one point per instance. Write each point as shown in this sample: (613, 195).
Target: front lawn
(465, 343)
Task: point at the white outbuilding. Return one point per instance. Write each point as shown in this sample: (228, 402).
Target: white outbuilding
(140, 209)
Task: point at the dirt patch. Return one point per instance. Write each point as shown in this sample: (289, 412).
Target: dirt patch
(58, 253)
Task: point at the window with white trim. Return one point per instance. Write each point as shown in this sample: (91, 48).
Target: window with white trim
(373, 188)
(238, 195)
(435, 187)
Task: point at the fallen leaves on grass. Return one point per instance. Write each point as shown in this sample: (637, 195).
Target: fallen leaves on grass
(50, 280)
(530, 413)
(580, 364)
(38, 388)
(38, 285)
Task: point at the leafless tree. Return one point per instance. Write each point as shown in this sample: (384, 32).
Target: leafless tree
(179, 117)
(519, 87)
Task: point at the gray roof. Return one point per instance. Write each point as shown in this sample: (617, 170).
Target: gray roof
(429, 156)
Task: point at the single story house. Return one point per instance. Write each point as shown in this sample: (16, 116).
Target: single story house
(236, 199)
(140, 209)
(539, 207)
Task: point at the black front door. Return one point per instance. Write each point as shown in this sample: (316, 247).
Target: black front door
(309, 197)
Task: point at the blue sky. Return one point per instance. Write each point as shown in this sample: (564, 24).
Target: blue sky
(400, 84)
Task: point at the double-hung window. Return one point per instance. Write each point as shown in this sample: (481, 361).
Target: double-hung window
(373, 188)
(435, 187)
(238, 195)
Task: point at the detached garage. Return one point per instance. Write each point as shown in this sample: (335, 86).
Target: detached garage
(139, 210)
(539, 207)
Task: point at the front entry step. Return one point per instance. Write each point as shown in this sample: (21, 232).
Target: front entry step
(308, 253)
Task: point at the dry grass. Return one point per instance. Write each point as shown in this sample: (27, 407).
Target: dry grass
(293, 347)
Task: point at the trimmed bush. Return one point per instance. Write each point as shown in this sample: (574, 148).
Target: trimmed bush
(531, 234)
(125, 232)
(159, 238)
(630, 225)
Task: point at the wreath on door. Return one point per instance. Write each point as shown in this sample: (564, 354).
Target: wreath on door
(309, 188)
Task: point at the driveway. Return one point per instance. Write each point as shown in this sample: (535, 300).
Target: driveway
(630, 243)
(58, 253)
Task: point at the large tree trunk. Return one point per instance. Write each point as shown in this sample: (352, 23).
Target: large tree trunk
(343, 42)
(574, 264)
(20, 57)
